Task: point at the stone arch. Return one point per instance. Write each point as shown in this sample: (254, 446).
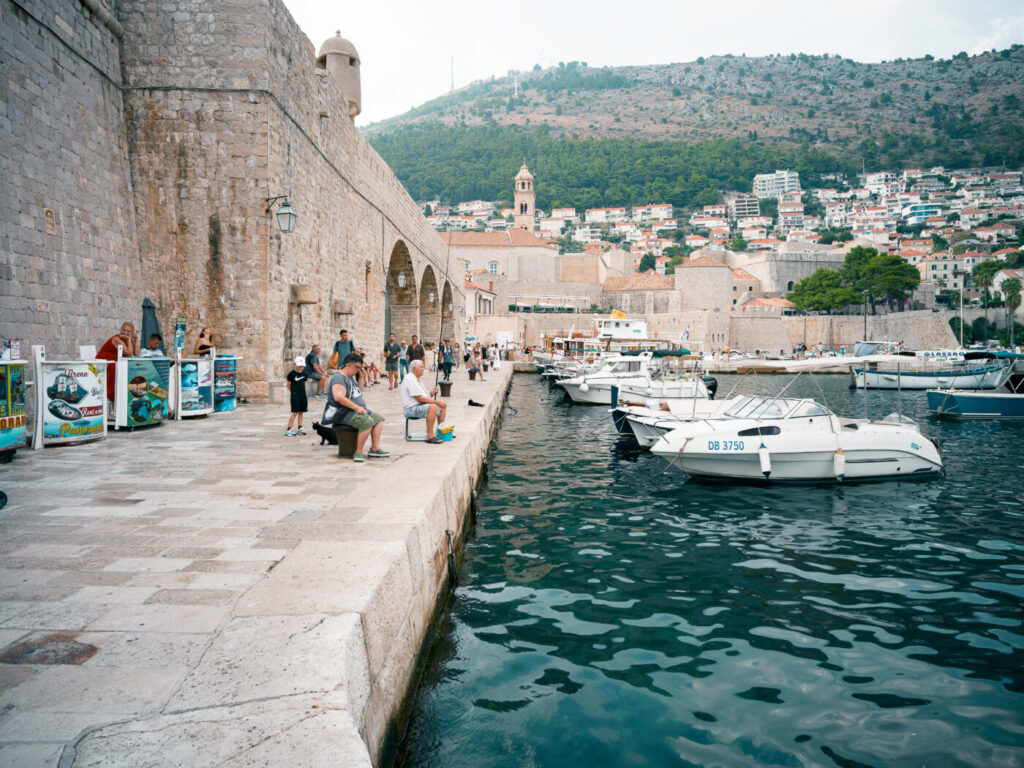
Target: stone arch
(430, 307)
(448, 310)
(402, 312)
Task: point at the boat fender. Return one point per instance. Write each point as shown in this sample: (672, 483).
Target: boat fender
(766, 461)
(615, 396)
(839, 464)
(712, 386)
(584, 387)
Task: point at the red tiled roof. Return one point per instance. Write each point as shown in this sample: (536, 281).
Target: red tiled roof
(506, 239)
(764, 302)
(703, 261)
(742, 274)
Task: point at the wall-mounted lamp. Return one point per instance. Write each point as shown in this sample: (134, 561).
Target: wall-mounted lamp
(430, 297)
(285, 215)
(450, 306)
(401, 279)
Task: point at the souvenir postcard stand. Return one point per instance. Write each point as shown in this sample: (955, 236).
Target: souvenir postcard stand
(142, 391)
(195, 386)
(225, 383)
(13, 433)
(71, 400)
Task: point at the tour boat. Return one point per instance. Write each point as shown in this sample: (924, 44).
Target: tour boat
(796, 439)
(1005, 402)
(963, 375)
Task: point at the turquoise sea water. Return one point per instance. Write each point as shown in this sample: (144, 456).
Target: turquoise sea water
(612, 614)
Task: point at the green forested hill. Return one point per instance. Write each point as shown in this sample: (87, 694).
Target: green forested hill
(680, 133)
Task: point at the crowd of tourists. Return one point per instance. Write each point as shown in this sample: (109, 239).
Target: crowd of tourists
(350, 370)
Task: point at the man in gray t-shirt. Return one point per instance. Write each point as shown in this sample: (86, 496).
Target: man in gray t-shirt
(346, 405)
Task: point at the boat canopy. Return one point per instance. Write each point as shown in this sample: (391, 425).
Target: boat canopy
(754, 407)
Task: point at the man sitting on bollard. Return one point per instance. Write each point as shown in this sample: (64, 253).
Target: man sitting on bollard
(417, 403)
(346, 405)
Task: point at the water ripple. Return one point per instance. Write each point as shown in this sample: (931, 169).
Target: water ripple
(612, 614)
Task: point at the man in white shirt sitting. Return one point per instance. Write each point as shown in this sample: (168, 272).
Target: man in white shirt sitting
(417, 403)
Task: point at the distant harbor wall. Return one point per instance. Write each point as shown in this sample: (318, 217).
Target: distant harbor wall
(766, 330)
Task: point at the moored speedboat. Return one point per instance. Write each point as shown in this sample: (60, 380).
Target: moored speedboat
(1004, 402)
(618, 370)
(792, 439)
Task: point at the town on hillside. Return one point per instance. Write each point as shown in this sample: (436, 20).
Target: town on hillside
(955, 235)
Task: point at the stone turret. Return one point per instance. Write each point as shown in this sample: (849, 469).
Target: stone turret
(341, 59)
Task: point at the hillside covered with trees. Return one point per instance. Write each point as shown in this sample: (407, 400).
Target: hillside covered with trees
(680, 132)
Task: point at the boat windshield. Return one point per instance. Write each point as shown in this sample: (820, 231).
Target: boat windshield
(775, 408)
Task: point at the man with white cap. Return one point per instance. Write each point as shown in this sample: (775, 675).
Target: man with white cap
(297, 378)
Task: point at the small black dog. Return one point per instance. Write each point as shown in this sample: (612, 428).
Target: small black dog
(327, 434)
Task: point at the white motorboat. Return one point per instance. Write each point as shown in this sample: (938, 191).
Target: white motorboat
(794, 439)
(618, 371)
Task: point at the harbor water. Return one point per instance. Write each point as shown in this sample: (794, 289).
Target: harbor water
(611, 613)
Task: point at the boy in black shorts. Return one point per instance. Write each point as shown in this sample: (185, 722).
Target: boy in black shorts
(297, 378)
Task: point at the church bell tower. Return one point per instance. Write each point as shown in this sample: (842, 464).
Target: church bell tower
(525, 200)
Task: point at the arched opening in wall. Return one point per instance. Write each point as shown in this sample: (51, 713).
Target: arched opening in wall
(448, 310)
(430, 307)
(789, 286)
(402, 312)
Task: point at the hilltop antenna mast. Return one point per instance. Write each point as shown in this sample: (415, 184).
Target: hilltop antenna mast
(452, 88)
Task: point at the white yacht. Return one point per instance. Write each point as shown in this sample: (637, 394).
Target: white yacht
(792, 439)
(617, 371)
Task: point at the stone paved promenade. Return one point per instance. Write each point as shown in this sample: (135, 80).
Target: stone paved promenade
(212, 593)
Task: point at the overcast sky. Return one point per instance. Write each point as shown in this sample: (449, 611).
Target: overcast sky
(406, 48)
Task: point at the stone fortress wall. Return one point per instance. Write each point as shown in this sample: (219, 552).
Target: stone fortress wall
(69, 266)
(173, 125)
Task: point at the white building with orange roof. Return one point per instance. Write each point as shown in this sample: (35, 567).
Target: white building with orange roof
(655, 212)
(764, 244)
(604, 215)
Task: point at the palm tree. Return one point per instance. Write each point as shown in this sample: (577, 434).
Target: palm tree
(984, 274)
(1011, 292)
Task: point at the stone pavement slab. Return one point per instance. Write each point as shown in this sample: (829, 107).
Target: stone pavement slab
(243, 598)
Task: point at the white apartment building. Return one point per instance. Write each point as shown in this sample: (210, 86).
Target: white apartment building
(604, 215)
(586, 234)
(552, 225)
(563, 213)
(771, 185)
(741, 206)
(655, 212)
(881, 183)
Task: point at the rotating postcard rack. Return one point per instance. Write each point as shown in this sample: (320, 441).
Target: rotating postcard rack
(195, 391)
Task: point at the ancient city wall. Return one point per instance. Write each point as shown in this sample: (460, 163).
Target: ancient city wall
(918, 330)
(69, 267)
(228, 110)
